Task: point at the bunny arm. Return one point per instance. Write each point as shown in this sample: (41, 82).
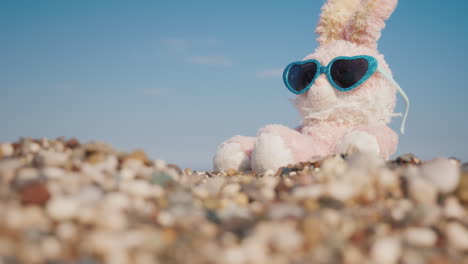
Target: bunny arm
(234, 153)
(380, 140)
(278, 146)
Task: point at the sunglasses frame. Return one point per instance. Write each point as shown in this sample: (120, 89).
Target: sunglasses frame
(372, 68)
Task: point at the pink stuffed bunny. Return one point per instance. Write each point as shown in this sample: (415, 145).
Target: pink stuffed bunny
(345, 93)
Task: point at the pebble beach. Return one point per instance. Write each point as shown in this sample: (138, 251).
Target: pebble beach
(71, 202)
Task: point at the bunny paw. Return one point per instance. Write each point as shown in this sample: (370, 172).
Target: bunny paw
(358, 141)
(234, 154)
(270, 153)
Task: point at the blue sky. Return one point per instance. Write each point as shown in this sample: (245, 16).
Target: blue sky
(176, 78)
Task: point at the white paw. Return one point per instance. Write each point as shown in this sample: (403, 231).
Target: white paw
(270, 153)
(231, 156)
(358, 141)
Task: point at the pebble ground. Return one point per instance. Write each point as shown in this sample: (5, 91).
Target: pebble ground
(62, 201)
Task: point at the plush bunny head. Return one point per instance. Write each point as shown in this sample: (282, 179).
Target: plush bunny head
(349, 29)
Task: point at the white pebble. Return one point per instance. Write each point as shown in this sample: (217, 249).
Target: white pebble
(53, 172)
(27, 174)
(401, 209)
(52, 158)
(457, 236)
(234, 255)
(443, 173)
(111, 219)
(30, 147)
(421, 190)
(453, 209)
(89, 194)
(308, 192)
(341, 190)
(231, 189)
(6, 149)
(117, 200)
(165, 218)
(160, 164)
(386, 251)
(285, 238)
(137, 188)
(388, 179)
(66, 231)
(421, 237)
(126, 174)
(62, 208)
(51, 247)
(109, 165)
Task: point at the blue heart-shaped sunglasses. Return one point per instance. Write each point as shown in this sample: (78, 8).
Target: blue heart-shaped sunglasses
(343, 73)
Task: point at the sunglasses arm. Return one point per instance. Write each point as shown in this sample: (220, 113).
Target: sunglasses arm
(402, 93)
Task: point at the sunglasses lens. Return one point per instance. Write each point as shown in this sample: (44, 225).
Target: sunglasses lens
(346, 73)
(300, 76)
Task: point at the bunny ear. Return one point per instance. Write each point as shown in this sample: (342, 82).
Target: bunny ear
(335, 16)
(366, 24)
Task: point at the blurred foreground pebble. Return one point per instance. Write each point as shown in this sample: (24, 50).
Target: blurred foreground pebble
(62, 201)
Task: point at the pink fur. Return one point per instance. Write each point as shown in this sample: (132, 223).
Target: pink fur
(246, 143)
(330, 115)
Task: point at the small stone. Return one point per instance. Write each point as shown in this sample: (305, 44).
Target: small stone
(462, 190)
(35, 193)
(161, 178)
(285, 210)
(111, 219)
(284, 171)
(329, 202)
(53, 173)
(341, 190)
(126, 174)
(353, 255)
(453, 209)
(27, 175)
(165, 218)
(299, 166)
(67, 231)
(29, 146)
(420, 237)
(51, 158)
(401, 209)
(285, 238)
(51, 248)
(117, 200)
(386, 250)
(89, 195)
(443, 173)
(176, 168)
(6, 149)
(62, 208)
(188, 171)
(413, 257)
(457, 236)
(421, 190)
(231, 189)
(137, 188)
(308, 192)
(408, 158)
(96, 157)
(231, 172)
(139, 155)
(72, 143)
(160, 164)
